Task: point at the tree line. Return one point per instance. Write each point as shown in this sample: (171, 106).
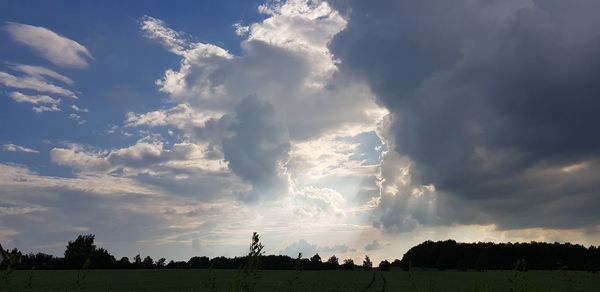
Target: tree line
(449, 254)
(443, 255)
(83, 253)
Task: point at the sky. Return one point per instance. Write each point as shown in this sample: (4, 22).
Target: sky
(346, 127)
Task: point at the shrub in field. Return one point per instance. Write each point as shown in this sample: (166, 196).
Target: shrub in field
(249, 273)
(521, 265)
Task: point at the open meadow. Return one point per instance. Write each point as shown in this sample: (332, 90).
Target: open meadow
(358, 280)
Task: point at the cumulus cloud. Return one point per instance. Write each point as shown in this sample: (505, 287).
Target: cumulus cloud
(256, 107)
(18, 148)
(258, 146)
(488, 102)
(55, 48)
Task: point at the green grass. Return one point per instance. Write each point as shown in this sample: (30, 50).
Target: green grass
(198, 280)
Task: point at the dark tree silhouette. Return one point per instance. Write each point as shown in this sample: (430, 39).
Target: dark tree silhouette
(385, 265)
(502, 256)
(199, 263)
(441, 255)
(332, 263)
(148, 263)
(161, 263)
(79, 251)
(348, 264)
(367, 264)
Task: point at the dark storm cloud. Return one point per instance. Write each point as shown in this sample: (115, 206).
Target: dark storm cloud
(258, 144)
(495, 102)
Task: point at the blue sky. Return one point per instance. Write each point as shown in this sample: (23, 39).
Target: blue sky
(120, 78)
(341, 127)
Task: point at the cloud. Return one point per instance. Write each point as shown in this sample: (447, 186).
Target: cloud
(196, 244)
(45, 103)
(182, 116)
(17, 148)
(156, 29)
(33, 99)
(308, 249)
(374, 245)
(77, 118)
(258, 146)
(32, 83)
(55, 48)
(43, 108)
(486, 108)
(41, 72)
(254, 108)
(79, 109)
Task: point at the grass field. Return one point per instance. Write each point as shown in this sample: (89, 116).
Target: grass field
(200, 280)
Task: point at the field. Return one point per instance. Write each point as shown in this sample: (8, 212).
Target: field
(222, 280)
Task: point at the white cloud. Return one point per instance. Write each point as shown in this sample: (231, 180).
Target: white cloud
(34, 99)
(45, 103)
(55, 48)
(77, 118)
(18, 148)
(32, 83)
(182, 116)
(240, 29)
(41, 72)
(79, 110)
(156, 29)
(43, 108)
(149, 157)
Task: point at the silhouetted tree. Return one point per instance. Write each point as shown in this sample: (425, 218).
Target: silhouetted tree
(199, 263)
(333, 262)
(385, 265)
(348, 264)
(79, 250)
(148, 263)
(161, 263)
(502, 256)
(124, 263)
(367, 264)
(137, 261)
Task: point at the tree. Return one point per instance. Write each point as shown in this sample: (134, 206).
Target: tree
(161, 263)
(348, 264)
(199, 263)
(79, 251)
(385, 265)
(333, 262)
(367, 264)
(315, 259)
(124, 263)
(102, 259)
(137, 261)
(148, 263)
